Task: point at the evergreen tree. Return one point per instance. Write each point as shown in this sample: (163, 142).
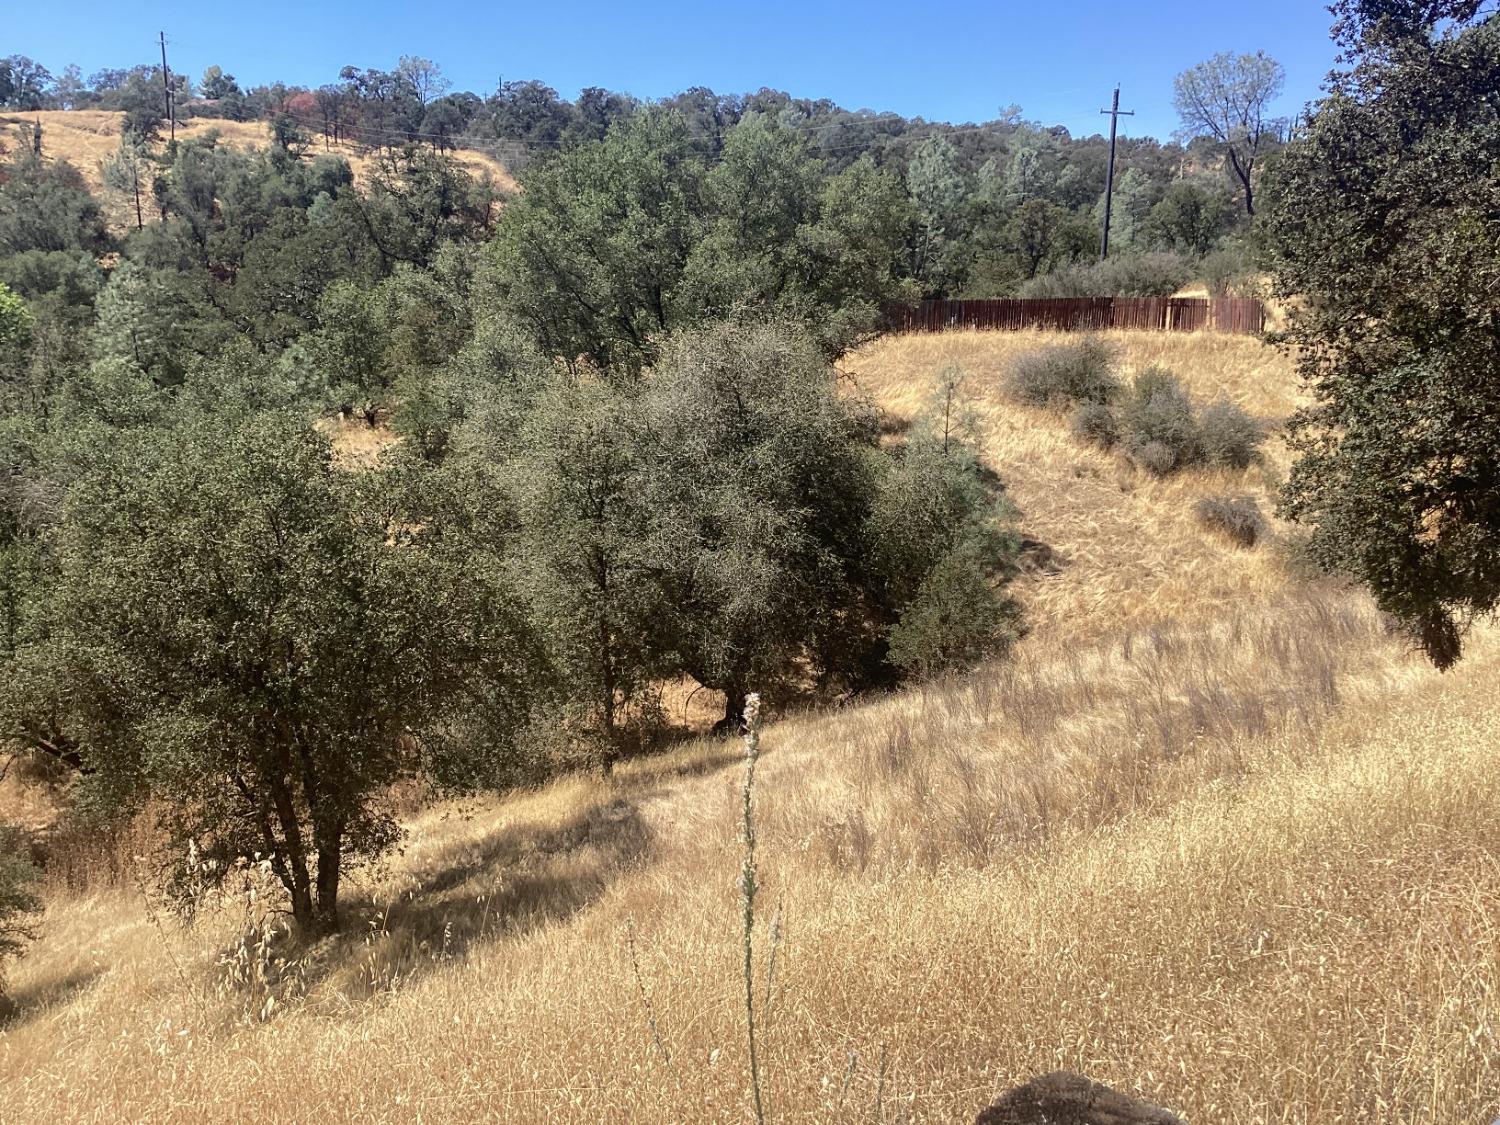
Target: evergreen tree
(1382, 227)
(938, 194)
(266, 643)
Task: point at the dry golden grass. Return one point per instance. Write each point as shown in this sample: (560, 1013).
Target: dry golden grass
(1240, 862)
(356, 443)
(1247, 871)
(87, 137)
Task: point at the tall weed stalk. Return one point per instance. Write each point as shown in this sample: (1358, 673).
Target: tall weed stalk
(748, 889)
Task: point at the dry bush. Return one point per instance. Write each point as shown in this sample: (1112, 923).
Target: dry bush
(1237, 518)
(1228, 436)
(1063, 374)
(1095, 422)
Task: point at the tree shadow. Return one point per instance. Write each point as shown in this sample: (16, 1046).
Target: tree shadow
(501, 886)
(518, 880)
(22, 1004)
(719, 753)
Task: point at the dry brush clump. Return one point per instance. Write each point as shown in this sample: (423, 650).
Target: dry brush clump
(1237, 518)
(1159, 428)
(1081, 371)
(1153, 420)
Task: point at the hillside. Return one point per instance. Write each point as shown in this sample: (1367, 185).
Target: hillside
(87, 137)
(1212, 835)
(1130, 547)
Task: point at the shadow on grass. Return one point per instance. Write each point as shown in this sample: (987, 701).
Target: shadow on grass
(20, 1005)
(518, 880)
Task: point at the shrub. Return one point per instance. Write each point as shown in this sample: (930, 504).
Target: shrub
(1131, 275)
(1228, 436)
(1082, 371)
(1095, 422)
(1157, 424)
(1228, 273)
(1237, 518)
(939, 547)
(1155, 457)
(957, 618)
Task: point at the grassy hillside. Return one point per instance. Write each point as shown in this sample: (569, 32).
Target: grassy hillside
(87, 137)
(1213, 836)
(1132, 547)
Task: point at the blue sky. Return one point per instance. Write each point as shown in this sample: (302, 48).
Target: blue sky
(951, 61)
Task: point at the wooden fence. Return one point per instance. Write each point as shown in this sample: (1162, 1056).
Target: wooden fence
(1173, 314)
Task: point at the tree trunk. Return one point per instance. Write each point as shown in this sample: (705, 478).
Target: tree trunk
(1242, 173)
(330, 868)
(297, 879)
(734, 710)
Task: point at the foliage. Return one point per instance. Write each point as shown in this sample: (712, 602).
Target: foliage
(1154, 423)
(1157, 425)
(940, 547)
(938, 193)
(1190, 218)
(267, 643)
(129, 171)
(1077, 372)
(1042, 235)
(1382, 225)
(1228, 436)
(955, 620)
(614, 245)
(18, 904)
(1226, 99)
(1230, 272)
(23, 83)
(1127, 275)
(1095, 422)
(590, 575)
(44, 205)
(757, 483)
(625, 456)
(16, 323)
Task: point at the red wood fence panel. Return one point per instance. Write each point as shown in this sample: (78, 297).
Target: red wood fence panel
(1071, 314)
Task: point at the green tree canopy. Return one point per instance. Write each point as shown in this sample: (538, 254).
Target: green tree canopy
(612, 246)
(757, 487)
(266, 642)
(45, 205)
(1227, 99)
(1384, 225)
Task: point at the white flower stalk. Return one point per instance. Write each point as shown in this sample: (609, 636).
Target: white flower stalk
(748, 889)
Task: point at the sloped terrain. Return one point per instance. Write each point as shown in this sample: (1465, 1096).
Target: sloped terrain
(86, 138)
(1212, 836)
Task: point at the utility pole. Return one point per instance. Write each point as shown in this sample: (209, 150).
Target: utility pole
(1115, 113)
(166, 87)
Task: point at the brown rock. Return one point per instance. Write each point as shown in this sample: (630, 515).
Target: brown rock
(1064, 1098)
